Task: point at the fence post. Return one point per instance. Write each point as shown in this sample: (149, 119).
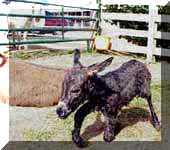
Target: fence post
(82, 22)
(99, 12)
(152, 28)
(88, 46)
(62, 22)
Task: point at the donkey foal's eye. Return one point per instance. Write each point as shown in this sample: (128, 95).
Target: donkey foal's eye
(76, 91)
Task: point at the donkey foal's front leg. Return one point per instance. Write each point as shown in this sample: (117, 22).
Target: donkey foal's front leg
(111, 120)
(78, 120)
(109, 132)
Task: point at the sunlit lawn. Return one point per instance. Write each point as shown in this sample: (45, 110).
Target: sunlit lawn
(134, 124)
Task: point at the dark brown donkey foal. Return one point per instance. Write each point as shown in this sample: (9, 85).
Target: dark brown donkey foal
(109, 92)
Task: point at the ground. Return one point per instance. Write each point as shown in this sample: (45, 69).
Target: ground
(42, 124)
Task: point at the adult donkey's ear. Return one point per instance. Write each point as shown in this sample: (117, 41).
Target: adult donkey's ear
(98, 67)
(77, 55)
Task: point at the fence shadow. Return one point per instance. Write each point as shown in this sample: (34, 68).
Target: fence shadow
(128, 117)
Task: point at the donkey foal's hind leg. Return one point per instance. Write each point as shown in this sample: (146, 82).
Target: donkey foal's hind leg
(145, 92)
(155, 120)
(109, 132)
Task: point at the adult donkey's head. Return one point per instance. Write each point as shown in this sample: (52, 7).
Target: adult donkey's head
(75, 87)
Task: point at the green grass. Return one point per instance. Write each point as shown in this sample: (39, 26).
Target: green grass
(34, 135)
(135, 118)
(156, 97)
(56, 129)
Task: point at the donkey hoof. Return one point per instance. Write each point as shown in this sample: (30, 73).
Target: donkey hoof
(157, 126)
(79, 142)
(108, 137)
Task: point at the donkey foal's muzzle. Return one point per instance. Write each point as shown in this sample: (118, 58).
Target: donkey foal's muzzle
(62, 110)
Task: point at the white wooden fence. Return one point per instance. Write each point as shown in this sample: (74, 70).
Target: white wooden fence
(151, 34)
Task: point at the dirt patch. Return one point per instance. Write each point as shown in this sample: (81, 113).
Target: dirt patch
(33, 85)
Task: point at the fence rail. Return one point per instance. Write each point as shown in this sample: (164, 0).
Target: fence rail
(50, 17)
(46, 41)
(49, 29)
(48, 4)
(131, 32)
(135, 17)
(126, 17)
(62, 27)
(152, 34)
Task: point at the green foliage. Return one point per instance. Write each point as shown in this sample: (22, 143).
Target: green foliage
(144, 9)
(127, 8)
(164, 10)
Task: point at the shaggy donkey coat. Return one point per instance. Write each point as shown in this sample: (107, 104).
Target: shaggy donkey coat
(108, 93)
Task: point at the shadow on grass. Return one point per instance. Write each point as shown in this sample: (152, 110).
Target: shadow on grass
(128, 117)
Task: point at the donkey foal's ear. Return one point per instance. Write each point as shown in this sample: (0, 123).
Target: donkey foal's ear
(98, 67)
